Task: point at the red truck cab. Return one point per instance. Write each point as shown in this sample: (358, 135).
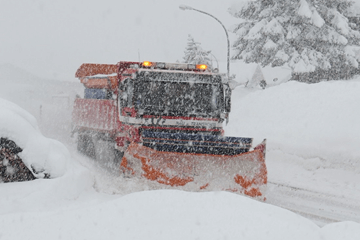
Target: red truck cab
(124, 99)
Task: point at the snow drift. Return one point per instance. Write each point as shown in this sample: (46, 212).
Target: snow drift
(309, 120)
(169, 214)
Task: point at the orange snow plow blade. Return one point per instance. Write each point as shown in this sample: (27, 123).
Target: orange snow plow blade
(243, 173)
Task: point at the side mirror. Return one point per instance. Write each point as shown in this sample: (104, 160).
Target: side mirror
(227, 104)
(227, 98)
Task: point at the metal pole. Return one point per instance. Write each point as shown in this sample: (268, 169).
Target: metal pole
(183, 7)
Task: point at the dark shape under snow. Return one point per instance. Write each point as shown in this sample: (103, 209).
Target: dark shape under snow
(12, 168)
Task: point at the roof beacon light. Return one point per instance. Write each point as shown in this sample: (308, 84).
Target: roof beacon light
(147, 64)
(201, 66)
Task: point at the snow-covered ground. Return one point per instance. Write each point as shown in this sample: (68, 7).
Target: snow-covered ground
(313, 164)
(70, 208)
(313, 154)
(313, 131)
(315, 125)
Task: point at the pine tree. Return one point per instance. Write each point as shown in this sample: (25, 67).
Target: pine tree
(195, 54)
(308, 35)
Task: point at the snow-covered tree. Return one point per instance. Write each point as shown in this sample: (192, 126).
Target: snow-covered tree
(308, 35)
(195, 54)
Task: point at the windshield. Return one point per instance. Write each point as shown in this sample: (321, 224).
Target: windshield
(178, 94)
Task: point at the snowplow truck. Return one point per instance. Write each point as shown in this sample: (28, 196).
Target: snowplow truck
(163, 123)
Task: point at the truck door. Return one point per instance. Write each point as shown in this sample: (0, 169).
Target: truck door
(126, 92)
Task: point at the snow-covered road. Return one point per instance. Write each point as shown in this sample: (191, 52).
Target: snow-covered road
(319, 207)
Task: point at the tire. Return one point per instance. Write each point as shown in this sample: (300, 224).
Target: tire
(118, 156)
(100, 150)
(106, 154)
(12, 168)
(85, 145)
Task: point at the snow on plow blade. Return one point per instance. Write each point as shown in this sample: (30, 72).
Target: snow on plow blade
(198, 162)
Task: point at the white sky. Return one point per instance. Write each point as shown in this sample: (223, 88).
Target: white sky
(52, 38)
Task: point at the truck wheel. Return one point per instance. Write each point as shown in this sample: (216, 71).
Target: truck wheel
(118, 156)
(85, 145)
(106, 154)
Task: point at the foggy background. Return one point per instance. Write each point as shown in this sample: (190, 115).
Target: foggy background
(51, 39)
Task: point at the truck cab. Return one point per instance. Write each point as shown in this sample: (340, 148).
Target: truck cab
(121, 101)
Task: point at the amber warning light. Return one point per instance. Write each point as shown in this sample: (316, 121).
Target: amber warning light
(201, 66)
(147, 64)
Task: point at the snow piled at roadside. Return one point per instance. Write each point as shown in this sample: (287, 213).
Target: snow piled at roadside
(308, 120)
(167, 214)
(42, 154)
(342, 230)
(312, 133)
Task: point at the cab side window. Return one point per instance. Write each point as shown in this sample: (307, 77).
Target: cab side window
(126, 92)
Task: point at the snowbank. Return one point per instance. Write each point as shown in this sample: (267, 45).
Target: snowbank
(312, 133)
(43, 154)
(167, 214)
(245, 71)
(343, 231)
(309, 120)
